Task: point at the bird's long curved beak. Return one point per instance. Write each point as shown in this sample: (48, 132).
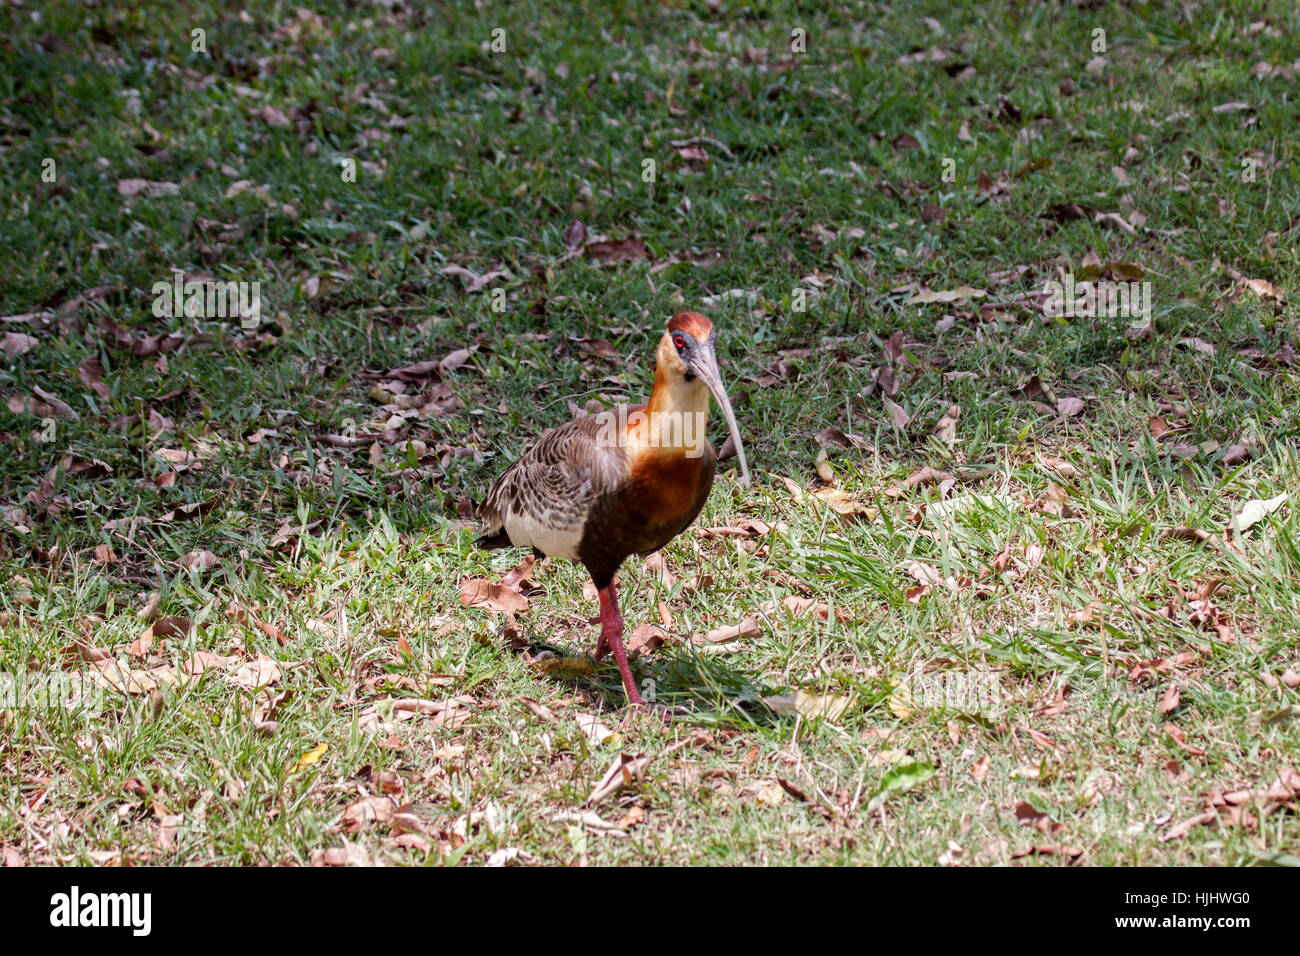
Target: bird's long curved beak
(705, 365)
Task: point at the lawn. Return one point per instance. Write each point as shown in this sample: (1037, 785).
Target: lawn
(1010, 586)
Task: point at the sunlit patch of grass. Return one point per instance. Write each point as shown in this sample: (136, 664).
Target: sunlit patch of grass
(1056, 583)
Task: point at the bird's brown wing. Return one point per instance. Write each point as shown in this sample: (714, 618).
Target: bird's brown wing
(544, 498)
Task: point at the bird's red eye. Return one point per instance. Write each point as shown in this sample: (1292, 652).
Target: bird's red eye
(679, 340)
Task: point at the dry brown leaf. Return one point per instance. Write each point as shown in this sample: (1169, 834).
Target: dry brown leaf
(646, 638)
(618, 250)
(897, 416)
(136, 187)
(480, 592)
(625, 771)
(1265, 289)
(199, 560)
(518, 578)
(19, 343)
(537, 709)
(575, 235)
(946, 429)
(373, 809)
(746, 629)
(257, 673)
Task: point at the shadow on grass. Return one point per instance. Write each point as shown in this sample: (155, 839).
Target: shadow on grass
(698, 690)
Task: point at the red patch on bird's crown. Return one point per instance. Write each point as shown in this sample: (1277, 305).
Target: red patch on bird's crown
(693, 324)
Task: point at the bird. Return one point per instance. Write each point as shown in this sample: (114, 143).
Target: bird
(622, 481)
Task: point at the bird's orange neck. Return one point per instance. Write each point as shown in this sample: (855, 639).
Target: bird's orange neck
(676, 417)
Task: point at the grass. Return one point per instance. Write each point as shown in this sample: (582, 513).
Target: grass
(1006, 699)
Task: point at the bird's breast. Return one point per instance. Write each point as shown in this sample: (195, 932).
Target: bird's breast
(667, 486)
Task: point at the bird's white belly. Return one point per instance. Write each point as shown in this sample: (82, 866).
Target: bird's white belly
(526, 531)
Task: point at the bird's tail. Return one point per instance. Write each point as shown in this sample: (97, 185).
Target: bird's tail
(493, 540)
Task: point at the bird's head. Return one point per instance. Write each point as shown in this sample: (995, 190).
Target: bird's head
(687, 359)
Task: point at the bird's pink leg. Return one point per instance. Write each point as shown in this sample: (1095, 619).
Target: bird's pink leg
(609, 618)
(611, 634)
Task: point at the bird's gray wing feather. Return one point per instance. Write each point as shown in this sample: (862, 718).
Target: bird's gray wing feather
(557, 482)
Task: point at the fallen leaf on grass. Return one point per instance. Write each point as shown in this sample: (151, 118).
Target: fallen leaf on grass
(349, 854)
(264, 709)
(625, 771)
(1182, 829)
(199, 560)
(575, 235)
(801, 703)
(847, 507)
(1031, 816)
(508, 854)
(646, 639)
(311, 756)
(897, 416)
(597, 733)
(1240, 807)
(136, 187)
(962, 293)
(634, 816)
(273, 632)
(920, 478)
(1198, 345)
(19, 343)
(518, 578)
(537, 709)
(946, 512)
(257, 673)
(562, 668)
(946, 429)
(746, 629)
(1196, 535)
(451, 712)
(1178, 737)
(127, 680)
(362, 813)
(475, 283)
(201, 661)
(168, 826)
(901, 702)
(693, 155)
(169, 626)
(618, 250)
(1171, 700)
(1116, 220)
(1253, 512)
(480, 592)
(798, 606)
(1265, 289)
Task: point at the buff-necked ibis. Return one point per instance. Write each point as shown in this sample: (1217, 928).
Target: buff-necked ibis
(620, 482)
